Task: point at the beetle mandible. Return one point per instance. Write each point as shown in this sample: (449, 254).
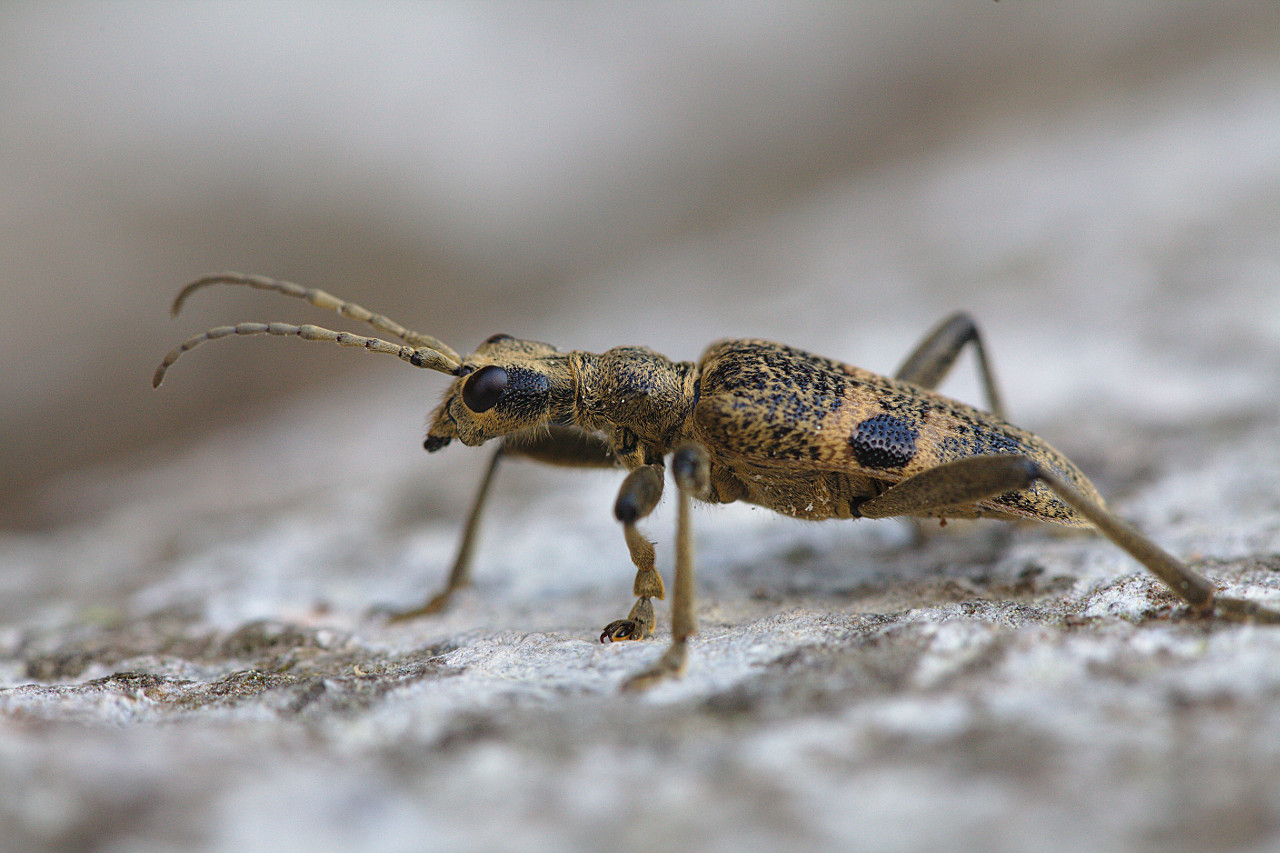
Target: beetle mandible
(750, 421)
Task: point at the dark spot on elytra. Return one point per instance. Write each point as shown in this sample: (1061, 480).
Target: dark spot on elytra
(883, 441)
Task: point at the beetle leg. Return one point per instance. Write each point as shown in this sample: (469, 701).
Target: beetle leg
(932, 358)
(460, 574)
(553, 446)
(639, 494)
(968, 481)
(689, 466)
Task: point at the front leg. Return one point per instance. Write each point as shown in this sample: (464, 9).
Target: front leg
(555, 445)
(460, 574)
(690, 468)
(639, 494)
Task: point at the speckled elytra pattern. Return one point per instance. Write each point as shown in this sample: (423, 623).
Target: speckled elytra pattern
(772, 414)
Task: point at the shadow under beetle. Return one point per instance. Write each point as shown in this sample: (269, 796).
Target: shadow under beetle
(750, 421)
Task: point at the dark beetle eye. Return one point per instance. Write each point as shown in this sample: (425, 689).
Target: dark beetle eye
(484, 388)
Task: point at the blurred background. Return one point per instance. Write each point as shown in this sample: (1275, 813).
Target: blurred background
(836, 175)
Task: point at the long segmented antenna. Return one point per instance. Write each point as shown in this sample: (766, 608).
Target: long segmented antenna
(320, 299)
(419, 350)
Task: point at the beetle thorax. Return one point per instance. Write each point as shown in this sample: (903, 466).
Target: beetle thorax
(634, 389)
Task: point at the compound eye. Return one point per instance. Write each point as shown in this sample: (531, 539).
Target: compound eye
(484, 388)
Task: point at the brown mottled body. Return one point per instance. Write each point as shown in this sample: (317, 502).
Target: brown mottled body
(812, 438)
(802, 435)
(751, 421)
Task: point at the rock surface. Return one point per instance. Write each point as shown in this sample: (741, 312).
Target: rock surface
(200, 660)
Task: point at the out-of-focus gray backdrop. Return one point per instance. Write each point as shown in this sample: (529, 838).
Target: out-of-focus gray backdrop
(472, 168)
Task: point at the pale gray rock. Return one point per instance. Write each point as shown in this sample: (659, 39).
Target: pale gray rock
(196, 657)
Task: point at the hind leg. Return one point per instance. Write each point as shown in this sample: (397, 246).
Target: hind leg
(969, 481)
(931, 360)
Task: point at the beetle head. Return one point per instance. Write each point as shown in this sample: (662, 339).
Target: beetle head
(507, 385)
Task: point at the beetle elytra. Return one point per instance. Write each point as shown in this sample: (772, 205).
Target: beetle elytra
(750, 421)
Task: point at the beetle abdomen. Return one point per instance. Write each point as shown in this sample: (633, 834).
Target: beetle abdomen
(766, 405)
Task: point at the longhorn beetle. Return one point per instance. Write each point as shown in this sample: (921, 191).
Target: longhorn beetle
(750, 421)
